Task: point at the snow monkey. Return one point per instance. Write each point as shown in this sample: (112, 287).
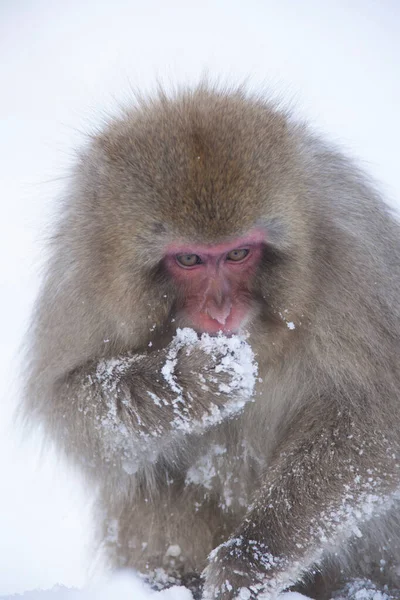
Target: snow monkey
(216, 345)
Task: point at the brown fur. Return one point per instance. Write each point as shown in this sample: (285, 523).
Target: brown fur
(293, 474)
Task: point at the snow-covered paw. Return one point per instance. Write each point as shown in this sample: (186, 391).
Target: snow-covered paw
(238, 570)
(222, 372)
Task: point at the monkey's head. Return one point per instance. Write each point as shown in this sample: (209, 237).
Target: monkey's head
(196, 207)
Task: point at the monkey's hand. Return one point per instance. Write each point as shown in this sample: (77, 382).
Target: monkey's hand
(139, 404)
(145, 402)
(207, 379)
(238, 570)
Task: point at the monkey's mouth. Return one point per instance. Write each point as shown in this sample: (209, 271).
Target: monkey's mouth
(232, 325)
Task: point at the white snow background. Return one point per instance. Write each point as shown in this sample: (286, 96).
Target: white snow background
(63, 66)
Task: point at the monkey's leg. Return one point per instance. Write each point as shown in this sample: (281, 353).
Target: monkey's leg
(166, 534)
(325, 480)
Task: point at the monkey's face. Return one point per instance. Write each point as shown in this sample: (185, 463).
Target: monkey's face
(214, 282)
(196, 219)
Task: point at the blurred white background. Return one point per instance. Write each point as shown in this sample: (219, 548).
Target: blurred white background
(63, 66)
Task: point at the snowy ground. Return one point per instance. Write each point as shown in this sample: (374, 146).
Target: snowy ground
(122, 587)
(63, 65)
(127, 587)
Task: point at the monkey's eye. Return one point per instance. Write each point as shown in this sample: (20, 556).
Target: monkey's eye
(237, 255)
(188, 260)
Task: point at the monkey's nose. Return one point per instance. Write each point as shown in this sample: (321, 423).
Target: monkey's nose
(219, 311)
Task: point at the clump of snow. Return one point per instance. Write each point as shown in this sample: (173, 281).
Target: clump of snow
(122, 586)
(174, 550)
(211, 465)
(232, 356)
(204, 469)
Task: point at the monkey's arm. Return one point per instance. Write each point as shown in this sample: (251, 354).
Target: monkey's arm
(326, 479)
(122, 409)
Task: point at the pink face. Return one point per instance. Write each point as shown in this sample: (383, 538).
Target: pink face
(216, 280)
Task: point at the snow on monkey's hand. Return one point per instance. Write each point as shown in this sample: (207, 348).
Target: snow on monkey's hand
(211, 377)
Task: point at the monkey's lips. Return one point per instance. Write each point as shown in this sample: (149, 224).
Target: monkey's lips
(206, 324)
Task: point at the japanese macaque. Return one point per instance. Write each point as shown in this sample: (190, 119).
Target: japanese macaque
(216, 345)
